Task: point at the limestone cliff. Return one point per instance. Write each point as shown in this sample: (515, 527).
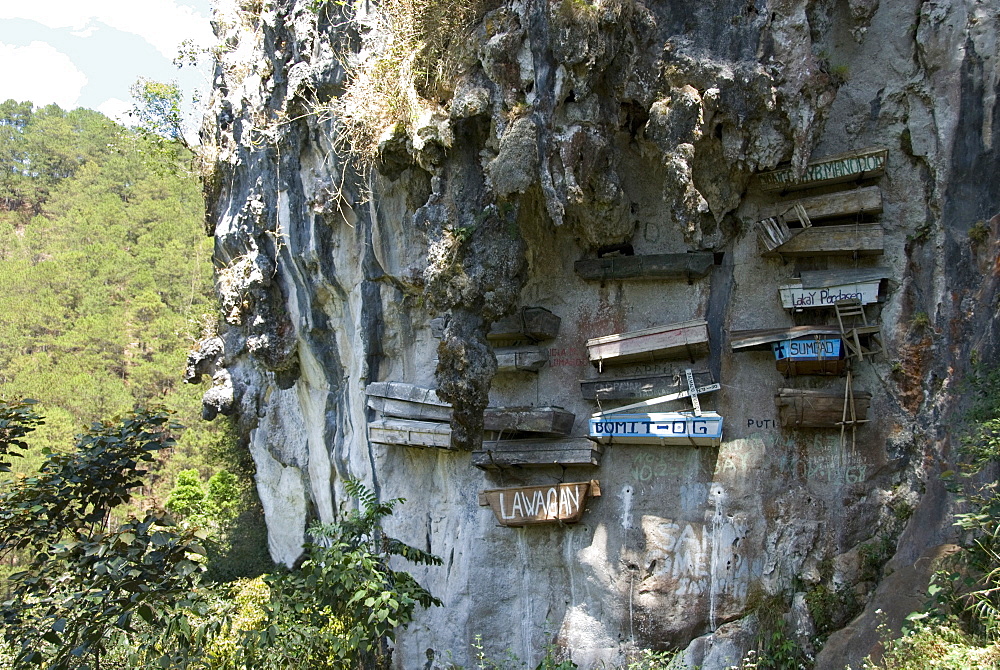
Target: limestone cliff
(612, 129)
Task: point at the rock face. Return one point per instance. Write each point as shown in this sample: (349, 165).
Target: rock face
(575, 127)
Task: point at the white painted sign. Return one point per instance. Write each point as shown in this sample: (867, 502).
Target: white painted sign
(658, 428)
(793, 296)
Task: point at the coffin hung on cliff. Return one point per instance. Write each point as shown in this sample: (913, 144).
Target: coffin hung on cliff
(809, 356)
(836, 169)
(405, 432)
(406, 401)
(691, 265)
(528, 325)
(679, 428)
(640, 388)
(578, 451)
(826, 287)
(531, 505)
(688, 339)
(804, 408)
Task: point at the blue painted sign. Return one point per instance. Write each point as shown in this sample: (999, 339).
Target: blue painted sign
(658, 428)
(806, 349)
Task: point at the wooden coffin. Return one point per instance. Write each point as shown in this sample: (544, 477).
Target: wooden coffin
(809, 356)
(537, 453)
(527, 325)
(408, 433)
(857, 239)
(524, 359)
(406, 401)
(530, 505)
(676, 340)
(801, 408)
(546, 420)
(681, 428)
(763, 338)
(836, 169)
(826, 287)
(843, 204)
(691, 265)
(640, 388)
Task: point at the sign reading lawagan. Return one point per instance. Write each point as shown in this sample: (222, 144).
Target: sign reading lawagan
(830, 170)
(528, 505)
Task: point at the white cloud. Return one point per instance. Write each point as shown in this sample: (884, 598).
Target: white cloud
(42, 75)
(117, 109)
(162, 23)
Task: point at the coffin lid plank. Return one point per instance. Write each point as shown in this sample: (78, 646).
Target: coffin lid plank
(688, 338)
(844, 203)
(640, 388)
(537, 453)
(617, 337)
(865, 162)
(404, 391)
(760, 338)
(827, 278)
(410, 433)
(860, 239)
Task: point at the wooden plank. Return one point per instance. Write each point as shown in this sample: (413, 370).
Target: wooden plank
(409, 433)
(828, 278)
(537, 453)
(677, 340)
(528, 324)
(828, 367)
(836, 169)
(771, 233)
(524, 359)
(549, 420)
(690, 265)
(828, 206)
(803, 408)
(639, 388)
(680, 428)
(763, 337)
(407, 401)
(796, 297)
(860, 239)
(529, 505)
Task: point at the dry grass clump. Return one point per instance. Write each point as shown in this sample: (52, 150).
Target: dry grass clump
(413, 51)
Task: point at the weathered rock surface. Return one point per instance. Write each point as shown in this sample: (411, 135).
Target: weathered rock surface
(579, 126)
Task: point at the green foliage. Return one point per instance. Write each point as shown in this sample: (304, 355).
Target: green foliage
(90, 579)
(17, 419)
(979, 232)
(341, 607)
(934, 645)
(158, 109)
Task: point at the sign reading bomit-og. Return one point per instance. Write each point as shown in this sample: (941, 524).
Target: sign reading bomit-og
(806, 349)
(658, 428)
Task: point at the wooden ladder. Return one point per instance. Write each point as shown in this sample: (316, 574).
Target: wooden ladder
(848, 313)
(850, 415)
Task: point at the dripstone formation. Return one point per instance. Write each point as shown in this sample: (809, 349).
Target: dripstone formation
(612, 163)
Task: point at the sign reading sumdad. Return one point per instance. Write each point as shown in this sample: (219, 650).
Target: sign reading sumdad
(680, 428)
(806, 349)
(529, 505)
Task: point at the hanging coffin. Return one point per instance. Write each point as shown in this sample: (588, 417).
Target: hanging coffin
(856, 239)
(763, 338)
(825, 288)
(809, 356)
(537, 453)
(521, 359)
(527, 326)
(406, 401)
(681, 428)
(676, 340)
(531, 505)
(802, 408)
(690, 265)
(852, 166)
(404, 432)
(640, 388)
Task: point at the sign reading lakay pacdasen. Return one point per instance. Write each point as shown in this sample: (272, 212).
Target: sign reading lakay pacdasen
(529, 505)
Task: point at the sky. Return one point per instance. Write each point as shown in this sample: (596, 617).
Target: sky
(88, 53)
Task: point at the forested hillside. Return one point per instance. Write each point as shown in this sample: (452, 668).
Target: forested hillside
(105, 271)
